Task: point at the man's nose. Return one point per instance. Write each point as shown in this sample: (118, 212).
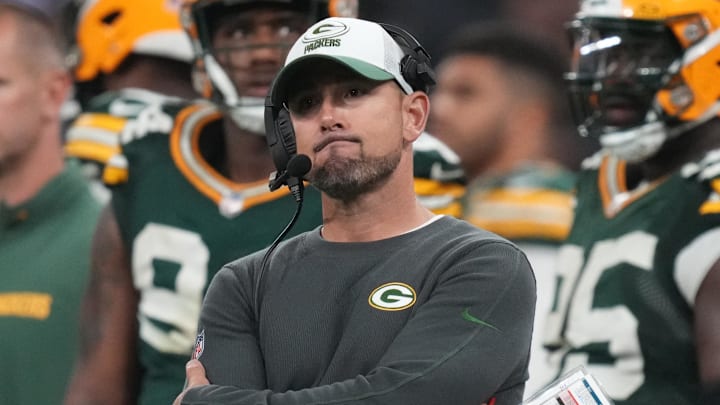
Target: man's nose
(328, 113)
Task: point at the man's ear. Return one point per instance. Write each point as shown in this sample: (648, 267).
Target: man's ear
(416, 107)
(56, 88)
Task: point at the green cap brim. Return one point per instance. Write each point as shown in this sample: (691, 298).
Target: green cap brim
(363, 68)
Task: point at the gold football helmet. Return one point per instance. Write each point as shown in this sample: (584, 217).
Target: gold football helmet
(644, 71)
(110, 30)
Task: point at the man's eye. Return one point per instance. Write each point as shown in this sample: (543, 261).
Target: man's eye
(302, 105)
(355, 92)
(238, 34)
(241, 31)
(282, 32)
(289, 30)
(233, 32)
(307, 102)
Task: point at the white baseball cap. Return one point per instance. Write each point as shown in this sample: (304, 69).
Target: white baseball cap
(363, 46)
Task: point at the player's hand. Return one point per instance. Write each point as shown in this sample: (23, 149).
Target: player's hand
(194, 377)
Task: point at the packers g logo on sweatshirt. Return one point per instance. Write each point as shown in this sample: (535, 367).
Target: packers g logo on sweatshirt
(392, 297)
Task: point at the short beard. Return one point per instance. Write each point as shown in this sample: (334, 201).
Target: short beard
(346, 179)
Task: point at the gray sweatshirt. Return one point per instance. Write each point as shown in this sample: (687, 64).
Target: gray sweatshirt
(439, 315)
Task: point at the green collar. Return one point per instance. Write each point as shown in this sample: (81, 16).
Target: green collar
(52, 199)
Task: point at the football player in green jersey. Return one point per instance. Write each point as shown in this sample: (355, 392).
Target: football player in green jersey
(131, 54)
(189, 194)
(638, 278)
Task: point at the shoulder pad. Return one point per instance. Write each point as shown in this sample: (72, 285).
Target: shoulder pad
(115, 171)
(94, 137)
(436, 161)
(532, 176)
(707, 170)
(427, 142)
(155, 119)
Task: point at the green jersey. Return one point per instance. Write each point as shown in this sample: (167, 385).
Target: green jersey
(93, 137)
(531, 203)
(183, 220)
(627, 279)
(44, 258)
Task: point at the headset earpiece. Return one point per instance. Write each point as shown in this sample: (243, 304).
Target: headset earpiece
(416, 66)
(280, 134)
(408, 69)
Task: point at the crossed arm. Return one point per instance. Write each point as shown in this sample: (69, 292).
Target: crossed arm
(443, 353)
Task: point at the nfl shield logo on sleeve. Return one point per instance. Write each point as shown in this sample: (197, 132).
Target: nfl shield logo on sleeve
(199, 345)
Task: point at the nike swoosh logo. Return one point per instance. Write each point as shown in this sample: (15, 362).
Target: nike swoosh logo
(466, 315)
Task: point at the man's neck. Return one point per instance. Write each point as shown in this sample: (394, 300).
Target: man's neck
(516, 149)
(247, 157)
(684, 148)
(174, 79)
(21, 180)
(389, 211)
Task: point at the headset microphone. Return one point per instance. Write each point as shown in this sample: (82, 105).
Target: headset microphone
(297, 167)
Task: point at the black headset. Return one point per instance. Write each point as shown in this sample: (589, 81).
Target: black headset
(415, 67)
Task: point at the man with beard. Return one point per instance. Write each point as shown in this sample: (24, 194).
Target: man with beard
(385, 302)
(639, 275)
(190, 194)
